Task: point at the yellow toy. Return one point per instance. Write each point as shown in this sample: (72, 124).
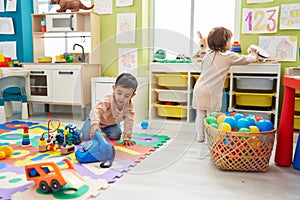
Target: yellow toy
(6, 151)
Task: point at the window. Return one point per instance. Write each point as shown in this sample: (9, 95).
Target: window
(176, 23)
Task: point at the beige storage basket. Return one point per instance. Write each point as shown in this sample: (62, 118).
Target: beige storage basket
(240, 151)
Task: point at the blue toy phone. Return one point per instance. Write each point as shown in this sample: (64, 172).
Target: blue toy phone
(96, 150)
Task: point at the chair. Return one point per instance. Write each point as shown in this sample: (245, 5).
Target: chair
(12, 88)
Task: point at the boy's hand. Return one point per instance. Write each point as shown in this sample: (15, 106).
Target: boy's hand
(94, 128)
(129, 142)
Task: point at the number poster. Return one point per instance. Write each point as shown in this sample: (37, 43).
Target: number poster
(260, 20)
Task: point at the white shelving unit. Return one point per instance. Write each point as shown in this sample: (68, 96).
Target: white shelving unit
(261, 72)
(172, 95)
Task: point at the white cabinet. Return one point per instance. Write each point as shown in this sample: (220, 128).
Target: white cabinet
(64, 84)
(254, 89)
(103, 85)
(170, 95)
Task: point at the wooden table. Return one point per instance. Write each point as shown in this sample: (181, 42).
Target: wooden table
(284, 148)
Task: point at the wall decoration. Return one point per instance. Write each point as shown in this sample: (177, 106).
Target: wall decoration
(11, 5)
(258, 1)
(128, 60)
(126, 24)
(9, 49)
(284, 48)
(260, 20)
(103, 6)
(290, 16)
(1, 5)
(6, 25)
(123, 3)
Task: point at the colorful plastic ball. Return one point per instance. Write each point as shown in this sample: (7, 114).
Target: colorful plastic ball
(213, 114)
(2, 155)
(258, 118)
(221, 119)
(254, 129)
(244, 130)
(251, 115)
(251, 120)
(243, 123)
(231, 121)
(232, 113)
(219, 114)
(210, 120)
(214, 125)
(224, 127)
(144, 124)
(264, 125)
(238, 116)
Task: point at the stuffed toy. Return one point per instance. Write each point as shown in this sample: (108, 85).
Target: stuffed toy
(73, 5)
(203, 48)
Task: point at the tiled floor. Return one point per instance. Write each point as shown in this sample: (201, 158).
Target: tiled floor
(183, 169)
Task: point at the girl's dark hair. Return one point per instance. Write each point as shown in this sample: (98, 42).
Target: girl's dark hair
(126, 80)
(217, 38)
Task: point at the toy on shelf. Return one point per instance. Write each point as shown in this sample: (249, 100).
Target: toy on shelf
(6, 151)
(97, 150)
(73, 5)
(59, 139)
(25, 139)
(236, 47)
(48, 175)
(198, 56)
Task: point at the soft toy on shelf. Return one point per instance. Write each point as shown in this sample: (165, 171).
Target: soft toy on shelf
(197, 57)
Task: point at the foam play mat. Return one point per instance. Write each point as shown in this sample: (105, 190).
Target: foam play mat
(91, 178)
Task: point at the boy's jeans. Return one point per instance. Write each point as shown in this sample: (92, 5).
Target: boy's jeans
(112, 132)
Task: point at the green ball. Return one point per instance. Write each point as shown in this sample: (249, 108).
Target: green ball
(244, 130)
(213, 114)
(214, 125)
(210, 120)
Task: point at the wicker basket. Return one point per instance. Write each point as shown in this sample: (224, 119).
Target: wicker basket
(240, 151)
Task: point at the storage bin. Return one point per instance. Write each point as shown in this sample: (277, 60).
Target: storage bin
(297, 104)
(177, 111)
(255, 83)
(172, 80)
(296, 122)
(172, 95)
(240, 151)
(297, 92)
(226, 83)
(254, 99)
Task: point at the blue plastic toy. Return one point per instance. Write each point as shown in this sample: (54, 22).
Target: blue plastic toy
(144, 124)
(96, 150)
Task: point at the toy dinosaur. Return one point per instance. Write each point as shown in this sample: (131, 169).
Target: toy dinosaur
(73, 5)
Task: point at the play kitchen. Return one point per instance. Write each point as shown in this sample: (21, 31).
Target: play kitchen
(66, 37)
(66, 53)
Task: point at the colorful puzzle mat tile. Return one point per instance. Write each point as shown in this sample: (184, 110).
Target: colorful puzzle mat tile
(12, 169)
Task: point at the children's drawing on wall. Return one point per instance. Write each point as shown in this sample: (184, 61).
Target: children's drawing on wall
(103, 6)
(6, 25)
(128, 59)
(126, 28)
(290, 16)
(11, 5)
(123, 3)
(284, 48)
